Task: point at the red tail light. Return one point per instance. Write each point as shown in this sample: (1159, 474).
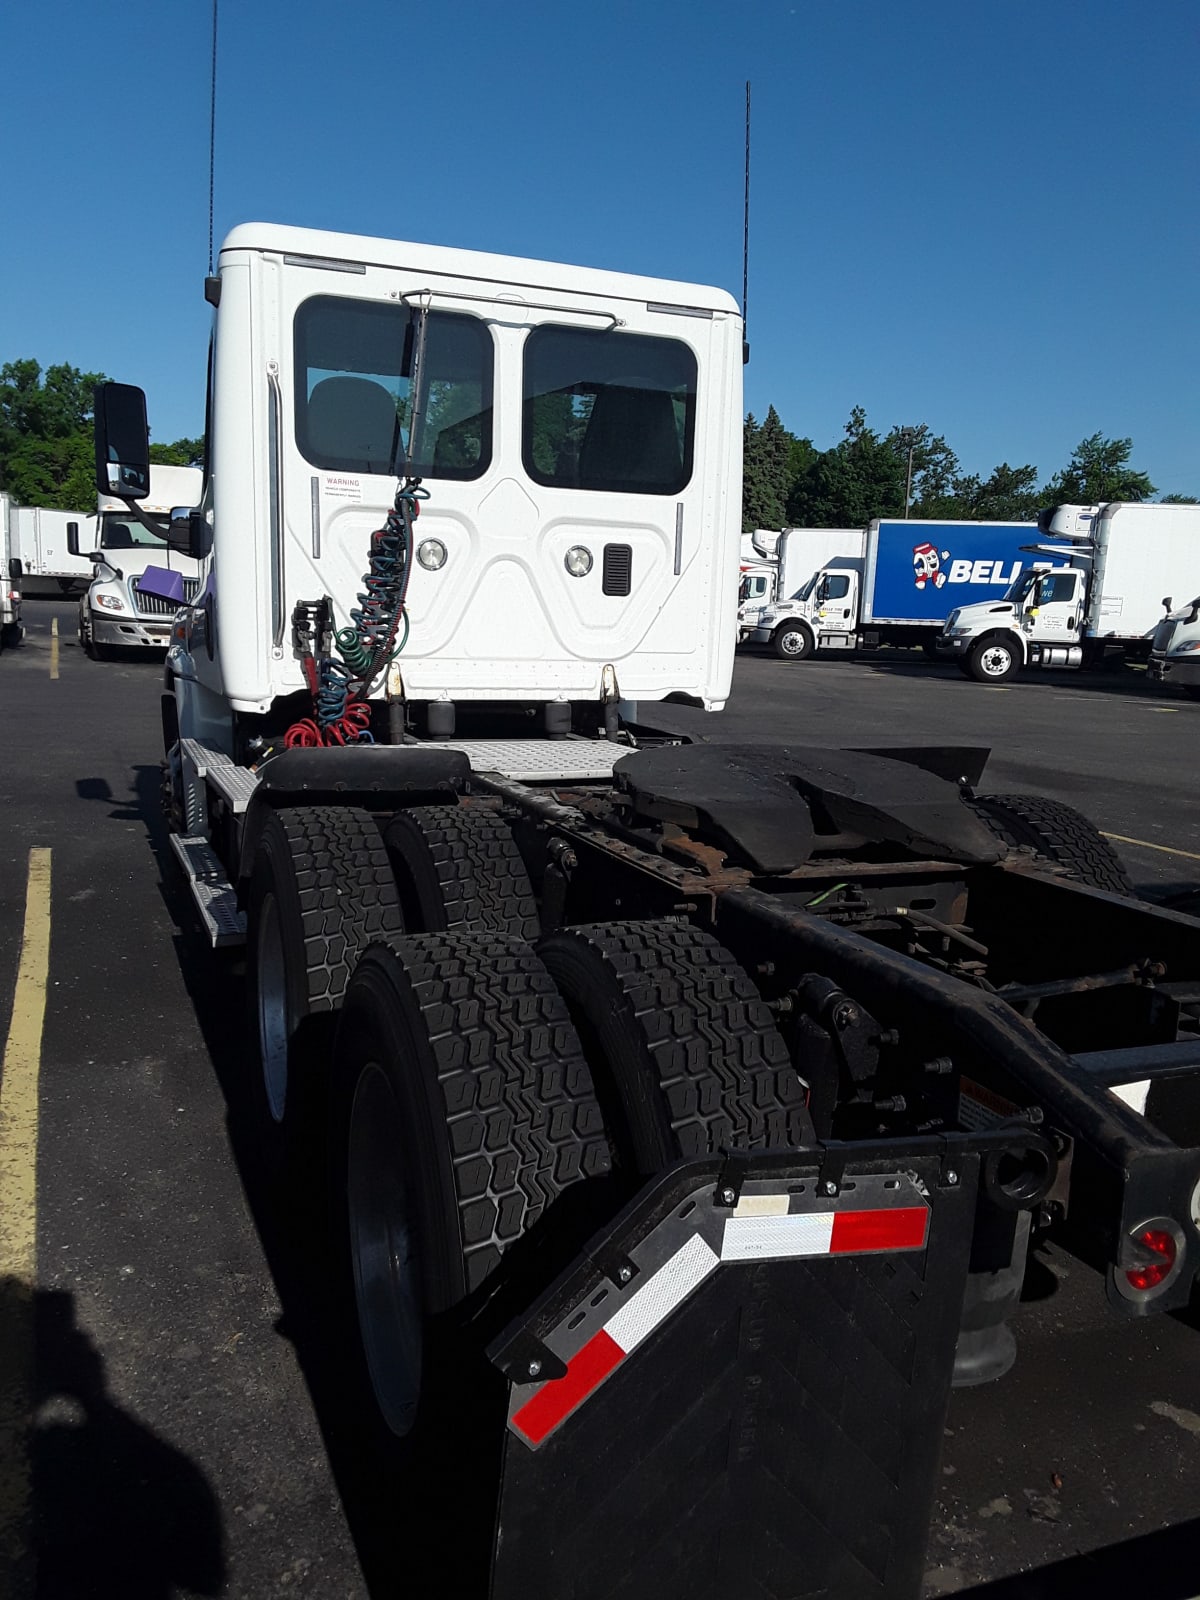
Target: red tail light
(1149, 1274)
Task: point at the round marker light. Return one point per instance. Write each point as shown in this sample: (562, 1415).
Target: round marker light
(431, 553)
(1163, 1249)
(578, 561)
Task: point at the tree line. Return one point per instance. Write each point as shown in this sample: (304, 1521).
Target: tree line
(789, 483)
(47, 455)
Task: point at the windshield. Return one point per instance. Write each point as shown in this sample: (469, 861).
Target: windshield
(120, 531)
(1022, 583)
(803, 594)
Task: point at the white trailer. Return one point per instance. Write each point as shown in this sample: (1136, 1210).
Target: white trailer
(1121, 559)
(117, 612)
(11, 631)
(41, 538)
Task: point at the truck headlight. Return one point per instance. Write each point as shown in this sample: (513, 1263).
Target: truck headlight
(1187, 649)
(578, 561)
(110, 602)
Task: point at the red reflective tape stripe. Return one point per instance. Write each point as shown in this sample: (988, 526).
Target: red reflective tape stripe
(902, 1229)
(558, 1398)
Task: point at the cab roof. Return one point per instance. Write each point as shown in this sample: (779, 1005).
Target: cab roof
(514, 271)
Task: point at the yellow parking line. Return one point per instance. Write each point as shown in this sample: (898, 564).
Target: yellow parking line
(1167, 849)
(54, 647)
(18, 1226)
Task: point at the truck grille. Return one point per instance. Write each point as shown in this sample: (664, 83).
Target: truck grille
(151, 605)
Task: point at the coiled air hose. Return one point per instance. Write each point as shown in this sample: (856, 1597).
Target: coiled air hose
(341, 712)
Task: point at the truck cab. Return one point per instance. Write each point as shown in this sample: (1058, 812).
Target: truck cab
(822, 614)
(117, 612)
(1040, 621)
(1175, 649)
(756, 589)
(11, 630)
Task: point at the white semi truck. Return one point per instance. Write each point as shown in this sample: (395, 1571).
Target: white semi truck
(41, 541)
(1175, 648)
(11, 631)
(1103, 597)
(138, 583)
(683, 1110)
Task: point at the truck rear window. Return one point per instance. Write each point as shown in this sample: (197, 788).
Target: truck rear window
(353, 390)
(608, 410)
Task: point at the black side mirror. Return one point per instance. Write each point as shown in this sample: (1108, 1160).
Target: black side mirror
(73, 538)
(1167, 602)
(16, 569)
(189, 533)
(122, 441)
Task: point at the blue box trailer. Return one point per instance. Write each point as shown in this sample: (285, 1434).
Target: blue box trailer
(917, 573)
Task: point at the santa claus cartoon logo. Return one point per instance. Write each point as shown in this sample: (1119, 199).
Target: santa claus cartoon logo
(927, 565)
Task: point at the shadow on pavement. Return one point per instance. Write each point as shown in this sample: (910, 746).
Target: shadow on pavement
(291, 1222)
(1114, 679)
(1164, 1565)
(117, 1513)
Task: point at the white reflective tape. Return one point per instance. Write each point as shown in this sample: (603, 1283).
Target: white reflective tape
(657, 1298)
(1133, 1094)
(773, 1238)
(762, 1205)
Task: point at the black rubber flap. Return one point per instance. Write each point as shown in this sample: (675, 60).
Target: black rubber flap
(778, 1436)
(368, 769)
(772, 802)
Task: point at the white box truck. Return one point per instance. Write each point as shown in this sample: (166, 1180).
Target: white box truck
(11, 631)
(41, 540)
(896, 589)
(115, 612)
(799, 553)
(1115, 563)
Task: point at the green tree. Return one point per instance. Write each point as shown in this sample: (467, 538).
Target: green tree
(1178, 500)
(1009, 495)
(861, 477)
(182, 453)
(1098, 470)
(46, 452)
(935, 474)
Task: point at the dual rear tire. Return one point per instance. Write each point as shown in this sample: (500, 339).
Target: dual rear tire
(475, 1091)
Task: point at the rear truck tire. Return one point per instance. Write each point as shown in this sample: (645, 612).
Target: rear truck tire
(11, 635)
(1058, 833)
(993, 660)
(684, 1051)
(321, 889)
(458, 870)
(792, 641)
(464, 1124)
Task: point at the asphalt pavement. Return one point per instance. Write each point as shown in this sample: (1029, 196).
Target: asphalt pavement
(190, 1437)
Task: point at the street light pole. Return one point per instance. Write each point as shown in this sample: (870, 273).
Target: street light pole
(909, 435)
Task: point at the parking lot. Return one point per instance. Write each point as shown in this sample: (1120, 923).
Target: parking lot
(190, 1434)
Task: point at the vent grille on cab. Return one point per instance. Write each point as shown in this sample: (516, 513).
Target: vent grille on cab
(618, 568)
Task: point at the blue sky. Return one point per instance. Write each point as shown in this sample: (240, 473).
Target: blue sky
(977, 215)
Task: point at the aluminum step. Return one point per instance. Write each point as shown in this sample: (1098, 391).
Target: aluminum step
(214, 896)
(538, 760)
(234, 784)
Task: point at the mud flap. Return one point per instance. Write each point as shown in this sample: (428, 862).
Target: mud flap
(740, 1391)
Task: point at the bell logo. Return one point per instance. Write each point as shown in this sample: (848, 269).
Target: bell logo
(992, 572)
